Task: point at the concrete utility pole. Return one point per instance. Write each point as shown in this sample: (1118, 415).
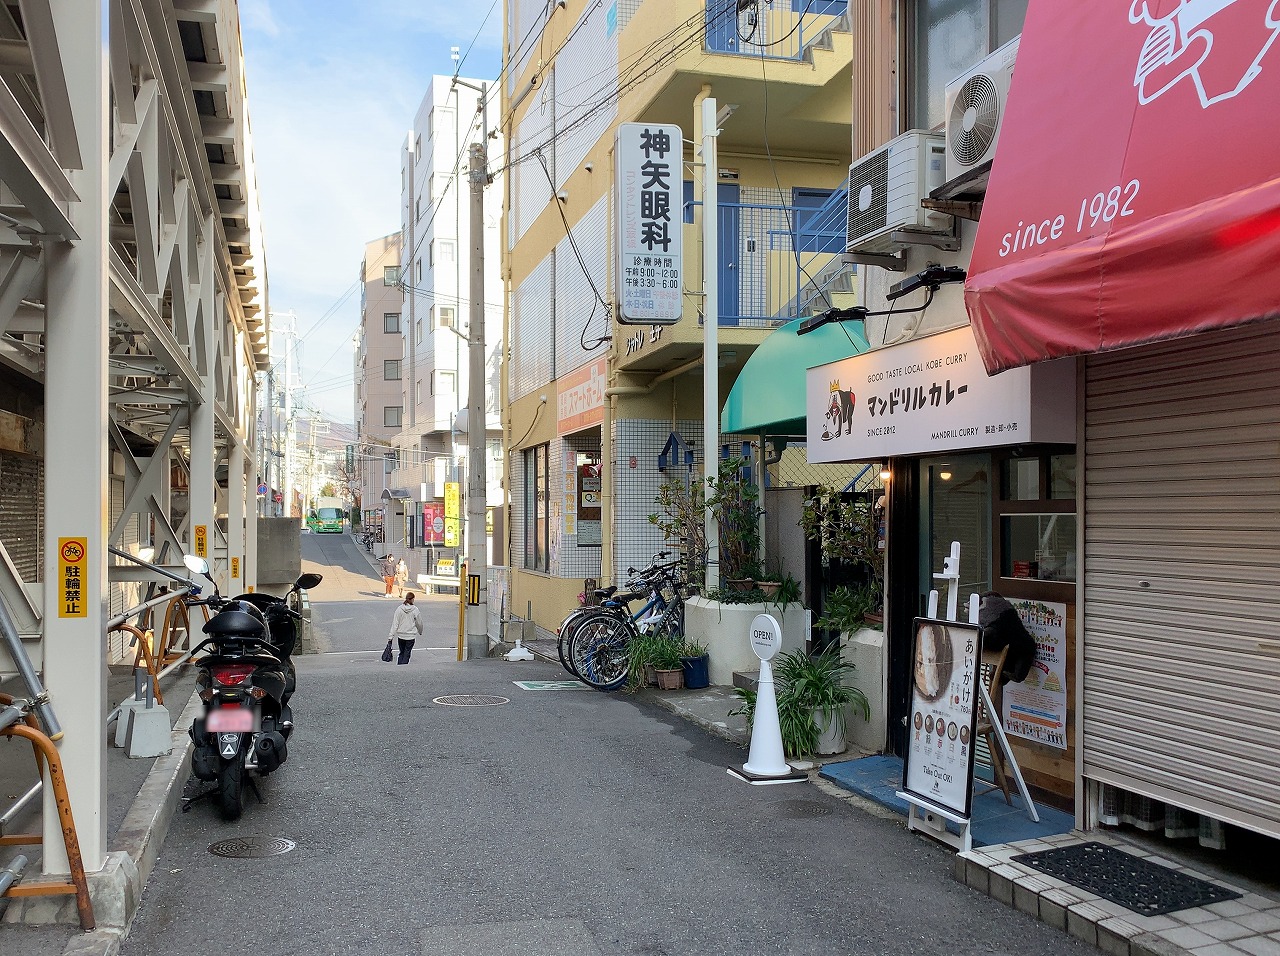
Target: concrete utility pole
(477, 478)
(409, 391)
(711, 327)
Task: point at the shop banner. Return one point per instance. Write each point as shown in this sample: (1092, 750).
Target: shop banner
(944, 708)
(1036, 708)
(650, 223)
(932, 395)
(580, 398)
(433, 522)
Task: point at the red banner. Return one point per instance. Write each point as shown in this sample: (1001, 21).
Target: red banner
(1135, 193)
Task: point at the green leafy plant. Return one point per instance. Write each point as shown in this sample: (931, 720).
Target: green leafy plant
(693, 648)
(788, 592)
(846, 608)
(735, 503)
(807, 686)
(666, 652)
(681, 517)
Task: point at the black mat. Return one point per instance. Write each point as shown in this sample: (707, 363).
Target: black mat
(1144, 887)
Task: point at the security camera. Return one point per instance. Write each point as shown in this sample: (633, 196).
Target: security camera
(930, 277)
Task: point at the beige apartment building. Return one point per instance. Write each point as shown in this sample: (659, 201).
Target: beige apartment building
(379, 372)
(590, 403)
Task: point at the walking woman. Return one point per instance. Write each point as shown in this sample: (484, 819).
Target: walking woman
(406, 625)
(389, 574)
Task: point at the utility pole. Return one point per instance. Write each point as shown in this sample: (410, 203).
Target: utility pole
(409, 392)
(477, 478)
(710, 328)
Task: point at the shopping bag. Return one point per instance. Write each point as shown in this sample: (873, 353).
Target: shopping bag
(386, 651)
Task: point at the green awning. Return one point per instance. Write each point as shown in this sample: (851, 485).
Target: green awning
(769, 395)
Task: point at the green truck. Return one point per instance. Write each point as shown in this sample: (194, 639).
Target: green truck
(327, 517)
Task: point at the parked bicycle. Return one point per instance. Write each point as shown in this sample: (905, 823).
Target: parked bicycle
(604, 603)
(598, 647)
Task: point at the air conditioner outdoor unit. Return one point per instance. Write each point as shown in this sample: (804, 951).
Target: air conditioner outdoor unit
(885, 189)
(975, 105)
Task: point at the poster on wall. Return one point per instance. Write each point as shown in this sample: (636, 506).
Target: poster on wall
(944, 708)
(589, 491)
(1036, 709)
(433, 522)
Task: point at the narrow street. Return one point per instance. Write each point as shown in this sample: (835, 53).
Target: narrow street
(560, 822)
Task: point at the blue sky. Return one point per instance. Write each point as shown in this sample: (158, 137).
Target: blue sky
(333, 88)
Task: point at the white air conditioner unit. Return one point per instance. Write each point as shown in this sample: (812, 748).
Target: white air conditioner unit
(885, 189)
(975, 105)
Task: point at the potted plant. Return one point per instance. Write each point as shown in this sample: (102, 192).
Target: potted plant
(681, 517)
(696, 663)
(848, 529)
(812, 696)
(846, 609)
(640, 668)
(666, 655)
(735, 504)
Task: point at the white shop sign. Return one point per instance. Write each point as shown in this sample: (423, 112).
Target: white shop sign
(933, 395)
(650, 223)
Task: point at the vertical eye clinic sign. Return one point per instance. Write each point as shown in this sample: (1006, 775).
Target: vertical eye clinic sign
(650, 164)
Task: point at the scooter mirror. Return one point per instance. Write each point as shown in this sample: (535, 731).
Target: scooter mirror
(307, 581)
(196, 565)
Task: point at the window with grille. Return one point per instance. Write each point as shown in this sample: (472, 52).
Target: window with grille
(391, 322)
(446, 318)
(390, 370)
(392, 415)
(390, 275)
(537, 541)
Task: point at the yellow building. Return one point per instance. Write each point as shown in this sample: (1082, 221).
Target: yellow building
(590, 403)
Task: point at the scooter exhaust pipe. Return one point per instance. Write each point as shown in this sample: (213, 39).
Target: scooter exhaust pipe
(271, 751)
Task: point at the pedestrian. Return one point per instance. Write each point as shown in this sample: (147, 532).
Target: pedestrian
(406, 625)
(389, 574)
(402, 576)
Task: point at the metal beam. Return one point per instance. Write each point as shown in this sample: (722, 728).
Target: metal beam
(131, 302)
(30, 171)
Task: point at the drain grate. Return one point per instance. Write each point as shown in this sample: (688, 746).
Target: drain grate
(251, 847)
(471, 700)
(1137, 884)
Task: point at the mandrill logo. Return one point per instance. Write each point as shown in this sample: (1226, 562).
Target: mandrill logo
(839, 412)
(1218, 45)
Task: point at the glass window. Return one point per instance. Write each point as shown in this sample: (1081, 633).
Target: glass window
(417, 336)
(391, 415)
(418, 271)
(1038, 546)
(389, 463)
(446, 382)
(536, 509)
(1021, 479)
(390, 370)
(390, 275)
(390, 321)
(446, 250)
(446, 314)
(1062, 476)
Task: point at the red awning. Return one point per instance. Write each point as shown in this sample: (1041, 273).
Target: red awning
(1135, 194)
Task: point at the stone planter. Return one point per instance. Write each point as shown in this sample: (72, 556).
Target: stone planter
(831, 734)
(866, 650)
(724, 629)
(671, 680)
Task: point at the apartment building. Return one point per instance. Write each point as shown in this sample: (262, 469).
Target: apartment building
(379, 372)
(591, 404)
(430, 443)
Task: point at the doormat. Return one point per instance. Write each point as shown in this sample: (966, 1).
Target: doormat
(550, 685)
(1134, 883)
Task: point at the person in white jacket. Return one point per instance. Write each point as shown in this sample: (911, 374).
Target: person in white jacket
(406, 625)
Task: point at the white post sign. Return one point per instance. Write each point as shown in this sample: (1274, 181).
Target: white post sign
(650, 161)
(1036, 708)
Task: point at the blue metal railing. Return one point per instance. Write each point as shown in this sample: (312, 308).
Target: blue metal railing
(780, 30)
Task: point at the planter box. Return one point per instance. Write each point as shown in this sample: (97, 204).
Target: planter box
(865, 649)
(725, 628)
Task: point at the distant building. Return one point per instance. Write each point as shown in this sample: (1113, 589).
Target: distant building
(379, 371)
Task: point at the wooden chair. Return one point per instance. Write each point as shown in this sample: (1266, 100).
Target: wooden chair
(989, 671)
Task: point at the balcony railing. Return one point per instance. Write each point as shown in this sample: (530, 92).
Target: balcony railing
(781, 29)
(778, 263)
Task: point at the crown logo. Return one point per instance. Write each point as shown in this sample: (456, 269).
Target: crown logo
(835, 385)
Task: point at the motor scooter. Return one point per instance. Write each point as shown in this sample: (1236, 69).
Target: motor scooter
(245, 679)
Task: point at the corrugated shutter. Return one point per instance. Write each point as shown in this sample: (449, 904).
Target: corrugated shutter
(21, 513)
(1182, 573)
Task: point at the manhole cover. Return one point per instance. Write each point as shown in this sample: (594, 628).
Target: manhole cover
(471, 700)
(801, 809)
(251, 848)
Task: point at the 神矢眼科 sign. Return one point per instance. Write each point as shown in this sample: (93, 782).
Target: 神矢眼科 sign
(650, 161)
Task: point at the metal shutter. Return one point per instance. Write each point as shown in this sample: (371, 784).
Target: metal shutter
(22, 514)
(1182, 573)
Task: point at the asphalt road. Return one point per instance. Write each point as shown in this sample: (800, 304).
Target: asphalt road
(559, 822)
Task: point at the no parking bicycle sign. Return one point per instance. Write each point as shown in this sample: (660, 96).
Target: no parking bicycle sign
(72, 554)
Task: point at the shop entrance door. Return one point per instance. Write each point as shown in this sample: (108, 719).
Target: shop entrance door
(952, 502)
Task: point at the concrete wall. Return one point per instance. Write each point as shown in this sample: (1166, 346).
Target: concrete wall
(279, 553)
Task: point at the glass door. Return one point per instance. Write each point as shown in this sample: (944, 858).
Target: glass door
(955, 505)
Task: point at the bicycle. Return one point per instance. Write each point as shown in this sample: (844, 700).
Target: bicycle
(606, 604)
(598, 648)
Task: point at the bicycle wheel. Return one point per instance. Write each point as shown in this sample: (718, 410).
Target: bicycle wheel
(571, 623)
(598, 650)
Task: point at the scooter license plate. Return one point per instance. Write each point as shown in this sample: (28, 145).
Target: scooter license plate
(237, 721)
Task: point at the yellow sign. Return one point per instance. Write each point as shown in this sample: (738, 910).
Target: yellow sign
(473, 589)
(452, 499)
(72, 562)
(235, 567)
(202, 541)
(446, 567)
